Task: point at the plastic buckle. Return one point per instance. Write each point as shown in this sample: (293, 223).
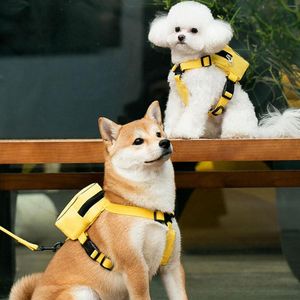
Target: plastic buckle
(216, 112)
(106, 263)
(159, 216)
(206, 61)
(178, 70)
(90, 247)
(168, 217)
(228, 89)
(163, 218)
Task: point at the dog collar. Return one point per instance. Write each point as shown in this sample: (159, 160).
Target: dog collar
(232, 64)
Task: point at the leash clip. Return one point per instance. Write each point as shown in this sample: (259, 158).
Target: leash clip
(54, 248)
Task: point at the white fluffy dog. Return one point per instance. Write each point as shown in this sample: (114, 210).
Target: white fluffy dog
(191, 32)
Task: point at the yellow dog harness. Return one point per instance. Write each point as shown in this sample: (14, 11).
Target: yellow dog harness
(82, 211)
(233, 65)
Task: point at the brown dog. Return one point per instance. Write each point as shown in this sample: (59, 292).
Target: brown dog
(138, 172)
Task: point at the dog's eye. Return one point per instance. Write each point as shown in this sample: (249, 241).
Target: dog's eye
(158, 134)
(138, 141)
(194, 30)
(177, 29)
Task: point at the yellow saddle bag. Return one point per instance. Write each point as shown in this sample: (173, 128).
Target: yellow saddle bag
(231, 63)
(80, 213)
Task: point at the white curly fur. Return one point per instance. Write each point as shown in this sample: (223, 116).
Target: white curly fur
(206, 84)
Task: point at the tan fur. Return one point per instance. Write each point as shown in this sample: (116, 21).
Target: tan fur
(23, 288)
(134, 244)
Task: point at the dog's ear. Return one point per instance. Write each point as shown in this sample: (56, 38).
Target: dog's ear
(109, 130)
(159, 31)
(217, 34)
(154, 113)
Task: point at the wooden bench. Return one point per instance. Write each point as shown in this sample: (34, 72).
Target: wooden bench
(91, 151)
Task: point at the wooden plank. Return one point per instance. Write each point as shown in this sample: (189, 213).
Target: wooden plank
(216, 179)
(91, 151)
(50, 151)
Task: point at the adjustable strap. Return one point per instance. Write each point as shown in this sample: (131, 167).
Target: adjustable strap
(137, 212)
(158, 216)
(170, 239)
(94, 253)
(227, 95)
(179, 69)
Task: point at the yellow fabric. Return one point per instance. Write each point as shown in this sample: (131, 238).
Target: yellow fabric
(237, 67)
(290, 88)
(131, 210)
(234, 70)
(171, 235)
(70, 222)
(180, 85)
(147, 214)
(31, 246)
(101, 256)
(182, 90)
(82, 238)
(107, 263)
(221, 103)
(75, 226)
(205, 166)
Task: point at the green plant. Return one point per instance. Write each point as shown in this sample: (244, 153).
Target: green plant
(267, 33)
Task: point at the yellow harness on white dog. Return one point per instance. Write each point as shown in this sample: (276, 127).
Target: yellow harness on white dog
(233, 65)
(83, 210)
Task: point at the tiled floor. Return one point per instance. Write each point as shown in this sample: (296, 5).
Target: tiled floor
(213, 277)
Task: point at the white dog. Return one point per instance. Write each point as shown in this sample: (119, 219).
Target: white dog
(191, 32)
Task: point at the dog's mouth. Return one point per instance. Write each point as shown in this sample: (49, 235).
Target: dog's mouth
(180, 43)
(164, 155)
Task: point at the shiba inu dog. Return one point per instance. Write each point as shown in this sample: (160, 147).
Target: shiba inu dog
(138, 173)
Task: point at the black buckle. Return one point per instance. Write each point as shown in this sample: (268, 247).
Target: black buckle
(228, 87)
(178, 70)
(54, 248)
(167, 218)
(90, 247)
(214, 111)
(202, 60)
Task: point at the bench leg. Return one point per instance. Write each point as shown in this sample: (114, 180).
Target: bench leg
(288, 213)
(7, 245)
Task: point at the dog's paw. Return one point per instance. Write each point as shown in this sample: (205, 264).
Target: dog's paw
(186, 133)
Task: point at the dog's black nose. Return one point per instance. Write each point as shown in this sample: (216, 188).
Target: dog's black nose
(165, 143)
(181, 37)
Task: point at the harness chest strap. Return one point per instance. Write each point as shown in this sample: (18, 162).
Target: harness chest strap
(227, 60)
(158, 216)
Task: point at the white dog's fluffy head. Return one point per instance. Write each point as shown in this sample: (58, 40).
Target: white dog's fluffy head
(189, 28)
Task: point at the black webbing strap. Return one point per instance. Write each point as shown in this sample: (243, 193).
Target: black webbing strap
(89, 203)
(164, 219)
(228, 89)
(94, 253)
